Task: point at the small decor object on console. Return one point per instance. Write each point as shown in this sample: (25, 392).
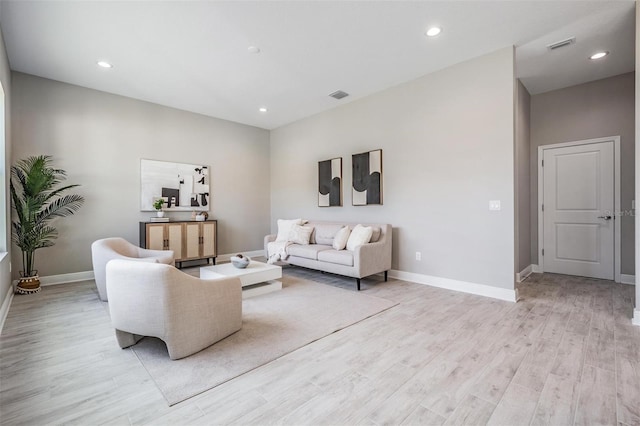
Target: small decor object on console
(159, 219)
(202, 216)
(240, 261)
(157, 204)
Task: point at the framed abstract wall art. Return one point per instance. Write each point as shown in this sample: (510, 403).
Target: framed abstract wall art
(330, 183)
(184, 187)
(367, 178)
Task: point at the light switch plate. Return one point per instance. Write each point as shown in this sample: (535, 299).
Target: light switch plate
(494, 205)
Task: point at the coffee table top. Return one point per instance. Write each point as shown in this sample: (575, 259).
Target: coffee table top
(255, 272)
(231, 271)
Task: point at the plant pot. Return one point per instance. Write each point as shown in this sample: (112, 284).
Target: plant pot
(160, 213)
(28, 285)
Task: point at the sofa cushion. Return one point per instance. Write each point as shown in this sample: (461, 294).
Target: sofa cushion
(325, 233)
(309, 251)
(341, 257)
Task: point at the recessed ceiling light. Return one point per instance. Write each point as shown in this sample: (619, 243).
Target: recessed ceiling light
(433, 31)
(104, 64)
(262, 109)
(599, 55)
(253, 49)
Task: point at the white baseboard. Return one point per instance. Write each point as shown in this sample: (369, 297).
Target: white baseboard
(63, 278)
(536, 269)
(636, 317)
(524, 274)
(88, 275)
(628, 279)
(463, 286)
(4, 310)
(66, 278)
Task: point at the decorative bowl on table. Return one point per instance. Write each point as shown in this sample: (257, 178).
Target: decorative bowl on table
(240, 261)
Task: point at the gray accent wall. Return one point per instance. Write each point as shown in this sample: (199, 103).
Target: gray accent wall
(5, 244)
(523, 177)
(448, 148)
(99, 139)
(592, 110)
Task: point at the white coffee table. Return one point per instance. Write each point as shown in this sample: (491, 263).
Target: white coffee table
(257, 278)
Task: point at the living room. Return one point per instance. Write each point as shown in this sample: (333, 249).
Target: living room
(449, 136)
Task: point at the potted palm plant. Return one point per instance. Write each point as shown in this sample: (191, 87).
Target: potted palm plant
(37, 199)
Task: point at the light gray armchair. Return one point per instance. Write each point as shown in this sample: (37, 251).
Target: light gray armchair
(102, 251)
(187, 313)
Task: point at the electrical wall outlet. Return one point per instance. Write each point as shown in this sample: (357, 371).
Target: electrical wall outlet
(494, 205)
(418, 255)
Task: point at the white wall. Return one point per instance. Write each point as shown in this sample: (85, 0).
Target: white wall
(597, 109)
(636, 316)
(5, 79)
(448, 148)
(523, 172)
(99, 139)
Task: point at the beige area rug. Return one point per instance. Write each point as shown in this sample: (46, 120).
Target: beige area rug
(273, 325)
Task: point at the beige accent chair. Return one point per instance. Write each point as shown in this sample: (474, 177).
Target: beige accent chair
(157, 300)
(102, 251)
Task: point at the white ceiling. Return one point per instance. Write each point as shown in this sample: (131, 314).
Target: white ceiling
(193, 55)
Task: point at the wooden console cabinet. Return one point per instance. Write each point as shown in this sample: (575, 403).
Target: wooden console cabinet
(189, 240)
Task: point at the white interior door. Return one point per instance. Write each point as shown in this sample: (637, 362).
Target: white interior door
(578, 205)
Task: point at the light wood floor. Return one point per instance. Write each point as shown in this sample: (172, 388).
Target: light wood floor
(565, 354)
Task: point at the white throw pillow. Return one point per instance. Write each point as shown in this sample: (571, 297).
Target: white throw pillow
(359, 236)
(284, 228)
(375, 236)
(300, 234)
(341, 238)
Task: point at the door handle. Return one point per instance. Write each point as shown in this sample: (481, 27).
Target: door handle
(606, 217)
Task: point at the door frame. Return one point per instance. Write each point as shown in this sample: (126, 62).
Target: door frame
(617, 244)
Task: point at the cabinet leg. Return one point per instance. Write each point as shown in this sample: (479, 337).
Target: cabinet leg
(358, 283)
(213, 259)
(385, 275)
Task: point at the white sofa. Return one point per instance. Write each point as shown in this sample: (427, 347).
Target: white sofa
(106, 249)
(187, 313)
(365, 260)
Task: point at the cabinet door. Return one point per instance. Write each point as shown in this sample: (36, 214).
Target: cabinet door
(209, 239)
(174, 235)
(192, 240)
(155, 237)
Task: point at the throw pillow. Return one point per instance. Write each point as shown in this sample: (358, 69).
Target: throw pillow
(341, 238)
(300, 234)
(375, 236)
(284, 228)
(359, 236)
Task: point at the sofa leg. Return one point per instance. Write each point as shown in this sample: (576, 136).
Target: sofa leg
(358, 283)
(385, 276)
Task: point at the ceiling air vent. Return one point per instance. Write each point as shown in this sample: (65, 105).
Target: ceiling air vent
(561, 43)
(339, 94)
